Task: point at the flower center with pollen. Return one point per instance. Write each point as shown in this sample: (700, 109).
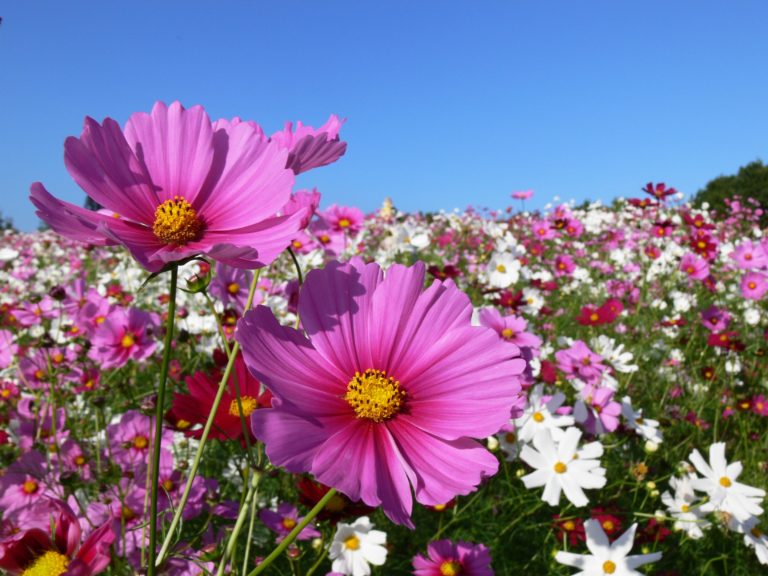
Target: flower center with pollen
(176, 222)
(374, 395)
(450, 568)
(248, 403)
(352, 543)
(49, 564)
(609, 567)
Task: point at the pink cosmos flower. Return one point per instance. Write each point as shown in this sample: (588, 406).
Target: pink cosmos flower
(696, 268)
(47, 540)
(230, 285)
(754, 285)
(345, 219)
(124, 335)
(445, 557)
(749, 256)
(511, 328)
(284, 520)
(580, 362)
(174, 185)
(596, 410)
(522, 195)
(715, 319)
(388, 389)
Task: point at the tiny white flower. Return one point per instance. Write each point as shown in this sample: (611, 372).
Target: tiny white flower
(540, 416)
(689, 517)
(607, 558)
(503, 270)
(645, 427)
(563, 467)
(356, 546)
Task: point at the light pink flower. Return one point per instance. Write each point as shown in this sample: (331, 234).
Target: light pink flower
(389, 389)
(173, 185)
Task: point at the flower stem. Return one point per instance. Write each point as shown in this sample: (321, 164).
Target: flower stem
(159, 411)
(294, 533)
(241, 517)
(204, 438)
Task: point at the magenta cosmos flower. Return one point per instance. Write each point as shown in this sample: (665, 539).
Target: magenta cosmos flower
(387, 391)
(173, 185)
(448, 559)
(46, 539)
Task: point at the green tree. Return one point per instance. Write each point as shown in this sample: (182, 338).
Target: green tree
(751, 181)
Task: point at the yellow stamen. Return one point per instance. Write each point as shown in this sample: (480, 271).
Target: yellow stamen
(140, 442)
(450, 568)
(510, 437)
(51, 563)
(685, 508)
(344, 223)
(507, 333)
(501, 269)
(569, 525)
(176, 222)
(127, 341)
(183, 424)
(725, 482)
(352, 543)
(233, 288)
(168, 485)
(249, 404)
(80, 460)
(289, 523)
(608, 525)
(560, 468)
(609, 567)
(29, 487)
(538, 417)
(374, 395)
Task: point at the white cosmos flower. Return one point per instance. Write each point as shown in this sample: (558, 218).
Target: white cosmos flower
(689, 517)
(754, 537)
(719, 482)
(539, 416)
(614, 354)
(357, 545)
(607, 558)
(563, 467)
(503, 270)
(645, 427)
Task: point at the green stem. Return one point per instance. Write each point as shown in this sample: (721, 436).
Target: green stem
(159, 411)
(204, 438)
(241, 517)
(294, 533)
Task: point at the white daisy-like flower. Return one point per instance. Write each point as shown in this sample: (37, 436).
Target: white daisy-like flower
(607, 558)
(754, 537)
(614, 354)
(539, 415)
(563, 467)
(503, 270)
(719, 482)
(510, 444)
(356, 546)
(645, 427)
(689, 517)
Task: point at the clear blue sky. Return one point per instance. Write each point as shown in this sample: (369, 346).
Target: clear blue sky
(447, 102)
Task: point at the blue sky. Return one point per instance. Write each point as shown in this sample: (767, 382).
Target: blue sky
(448, 103)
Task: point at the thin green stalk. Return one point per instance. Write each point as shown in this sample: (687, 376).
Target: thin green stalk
(251, 524)
(293, 534)
(241, 517)
(159, 411)
(204, 437)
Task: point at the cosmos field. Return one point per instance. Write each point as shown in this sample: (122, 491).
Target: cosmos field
(210, 374)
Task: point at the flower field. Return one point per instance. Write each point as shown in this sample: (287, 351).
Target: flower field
(211, 375)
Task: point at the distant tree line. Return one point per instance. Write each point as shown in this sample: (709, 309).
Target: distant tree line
(751, 181)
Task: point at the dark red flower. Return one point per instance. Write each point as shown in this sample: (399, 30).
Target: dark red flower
(659, 191)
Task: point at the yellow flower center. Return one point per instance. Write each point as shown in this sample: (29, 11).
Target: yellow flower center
(29, 487)
(594, 317)
(608, 525)
(58, 358)
(374, 395)
(49, 564)
(5, 393)
(176, 222)
(289, 523)
(450, 568)
(560, 468)
(183, 424)
(80, 460)
(569, 525)
(507, 333)
(501, 269)
(756, 532)
(233, 288)
(538, 417)
(352, 543)
(725, 482)
(751, 285)
(510, 437)
(140, 442)
(685, 508)
(609, 567)
(249, 404)
(127, 341)
(100, 319)
(344, 223)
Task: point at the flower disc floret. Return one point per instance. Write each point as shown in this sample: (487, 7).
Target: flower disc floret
(249, 404)
(176, 222)
(49, 564)
(374, 395)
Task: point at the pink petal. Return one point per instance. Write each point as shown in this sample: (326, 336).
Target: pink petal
(103, 164)
(69, 220)
(176, 147)
(441, 469)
